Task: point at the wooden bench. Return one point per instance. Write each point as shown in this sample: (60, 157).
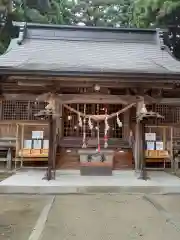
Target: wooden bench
(33, 154)
(157, 156)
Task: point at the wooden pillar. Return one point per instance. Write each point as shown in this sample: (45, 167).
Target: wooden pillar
(60, 122)
(138, 148)
(17, 141)
(126, 125)
(50, 155)
(22, 144)
(54, 149)
(171, 149)
(138, 145)
(143, 172)
(1, 108)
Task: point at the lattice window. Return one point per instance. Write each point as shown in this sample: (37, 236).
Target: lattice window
(70, 119)
(34, 108)
(15, 110)
(21, 110)
(176, 114)
(170, 114)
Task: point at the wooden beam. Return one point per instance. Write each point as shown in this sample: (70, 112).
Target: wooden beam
(169, 101)
(74, 98)
(20, 97)
(89, 82)
(24, 122)
(93, 98)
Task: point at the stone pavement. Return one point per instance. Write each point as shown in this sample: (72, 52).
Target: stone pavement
(31, 182)
(87, 217)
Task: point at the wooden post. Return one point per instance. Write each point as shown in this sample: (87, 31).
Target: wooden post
(22, 144)
(138, 138)
(1, 108)
(50, 155)
(54, 148)
(126, 124)
(17, 145)
(60, 122)
(164, 144)
(171, 150)
(143, 173)
(17, 141)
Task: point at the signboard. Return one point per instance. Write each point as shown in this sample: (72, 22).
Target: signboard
(46, 144)
(27, 144)
(37, 144)
(150, 136)
(37, 134)
(159, 146)
(150, 145)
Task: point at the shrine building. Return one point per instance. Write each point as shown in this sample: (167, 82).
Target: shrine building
(93, 82)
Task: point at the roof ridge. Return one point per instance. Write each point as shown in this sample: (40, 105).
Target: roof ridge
(59, 32)
(87, 28)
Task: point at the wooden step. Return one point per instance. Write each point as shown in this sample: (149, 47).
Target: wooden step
(123, 160)
(67, 160)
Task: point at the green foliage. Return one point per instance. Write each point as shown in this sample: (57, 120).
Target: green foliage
(160, 13)
(114, 13)
(155, 12)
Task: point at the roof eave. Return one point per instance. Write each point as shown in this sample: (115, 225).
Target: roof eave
(113, 74)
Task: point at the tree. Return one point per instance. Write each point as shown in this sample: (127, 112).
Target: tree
(5, 23)
(37, 11)
(160, 13)
(114, 13)
(43, 11)
(155, 12)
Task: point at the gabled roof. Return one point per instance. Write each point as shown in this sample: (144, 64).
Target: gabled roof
(72, 48)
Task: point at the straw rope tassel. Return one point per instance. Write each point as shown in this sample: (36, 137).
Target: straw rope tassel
(119, 123)
(84, 128)
(106, 130)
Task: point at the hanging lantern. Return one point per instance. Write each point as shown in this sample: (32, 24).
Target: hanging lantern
(119, 123)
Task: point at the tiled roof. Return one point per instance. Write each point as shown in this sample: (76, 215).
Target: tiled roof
(62, 48)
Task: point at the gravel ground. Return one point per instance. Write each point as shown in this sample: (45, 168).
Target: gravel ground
(18, 215)
(107, 217)
(90, 217)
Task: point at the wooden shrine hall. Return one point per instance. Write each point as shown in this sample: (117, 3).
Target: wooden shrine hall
(70, 97)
